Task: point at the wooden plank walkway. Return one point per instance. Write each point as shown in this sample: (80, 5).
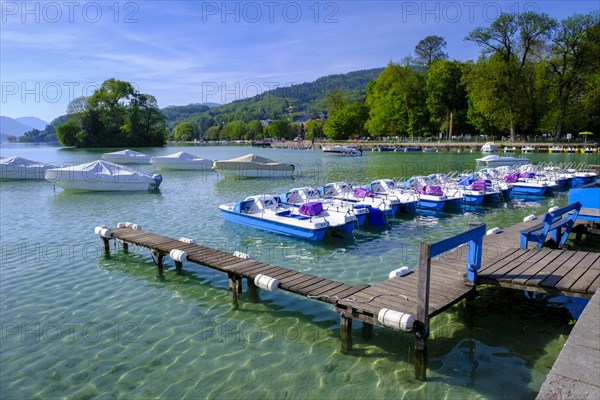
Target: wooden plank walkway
(300, 283)
(576, 372)
(567, 272)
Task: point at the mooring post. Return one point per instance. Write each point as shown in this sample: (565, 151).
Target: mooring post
(421, 364)
(125, 247)
(421, 327)
(346, 333)
(106, 246)
(159, 264)
(178, 267)
(252, 290)
(367, 330)
(233, 289)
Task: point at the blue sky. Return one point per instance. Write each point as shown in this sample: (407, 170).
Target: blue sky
(196, 51)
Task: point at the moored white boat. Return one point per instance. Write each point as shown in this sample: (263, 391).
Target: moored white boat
(494, 160)
(102, 176)
(253, 166)
(489, 147)
(22, 168)
(182, 161)
(343, 150)
(267, 213)
(126, 157)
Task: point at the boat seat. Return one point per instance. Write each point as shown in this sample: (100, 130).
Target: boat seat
(284, 213)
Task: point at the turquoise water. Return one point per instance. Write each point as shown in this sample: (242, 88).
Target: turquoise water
(78, 325)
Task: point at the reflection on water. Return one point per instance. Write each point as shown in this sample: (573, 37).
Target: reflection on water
(77, 324)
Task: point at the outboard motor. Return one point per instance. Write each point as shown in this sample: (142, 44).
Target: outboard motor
(157, 181)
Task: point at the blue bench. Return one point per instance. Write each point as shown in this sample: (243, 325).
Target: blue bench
(553, 224)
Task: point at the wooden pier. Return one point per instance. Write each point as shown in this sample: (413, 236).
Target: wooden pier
(448, 272)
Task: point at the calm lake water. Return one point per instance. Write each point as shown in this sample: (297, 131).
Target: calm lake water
(78, 325)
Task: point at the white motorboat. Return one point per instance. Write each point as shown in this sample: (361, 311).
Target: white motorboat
(182, 161)
(494, 160)
(126, 157)
(343, 150)
(489, 147)
(253, 166)
(21, 168)
(102, 176)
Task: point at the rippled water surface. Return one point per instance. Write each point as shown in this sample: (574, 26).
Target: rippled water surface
(77, 324)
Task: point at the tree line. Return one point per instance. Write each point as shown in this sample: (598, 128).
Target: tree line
(535, 75)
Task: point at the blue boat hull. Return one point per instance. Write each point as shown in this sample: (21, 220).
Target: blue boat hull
(432, 205)
(492, 198)
(409, 207)
(301, 233)
(473, 200)
(453, 203)
(528, 191)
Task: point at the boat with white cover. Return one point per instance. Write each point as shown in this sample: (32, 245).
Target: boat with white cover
(182, 161)
(494, 160)
(102, 175)
(22, 168)
(126, 157)
(253, 166)
(299, 196)
(489, 147)
(267, 213)
(343, 150)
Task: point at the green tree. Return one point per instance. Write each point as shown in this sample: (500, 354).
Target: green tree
(212, 133)
(184, 131)
(314, 129)
(67, 133)
(254, 130)
(396, 101)
(513, 39)
(116, 115)
(445, 93)
(346, 122)
(233, 130)
(570, 60)
(430, 49)
(336, 100)
(279, 129)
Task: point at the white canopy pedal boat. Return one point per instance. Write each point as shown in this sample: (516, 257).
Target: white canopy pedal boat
(299, 196)
(102, 176)
(126, 157)
(182, 161)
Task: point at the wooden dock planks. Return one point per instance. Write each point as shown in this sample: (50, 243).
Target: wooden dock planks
(503, 264)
